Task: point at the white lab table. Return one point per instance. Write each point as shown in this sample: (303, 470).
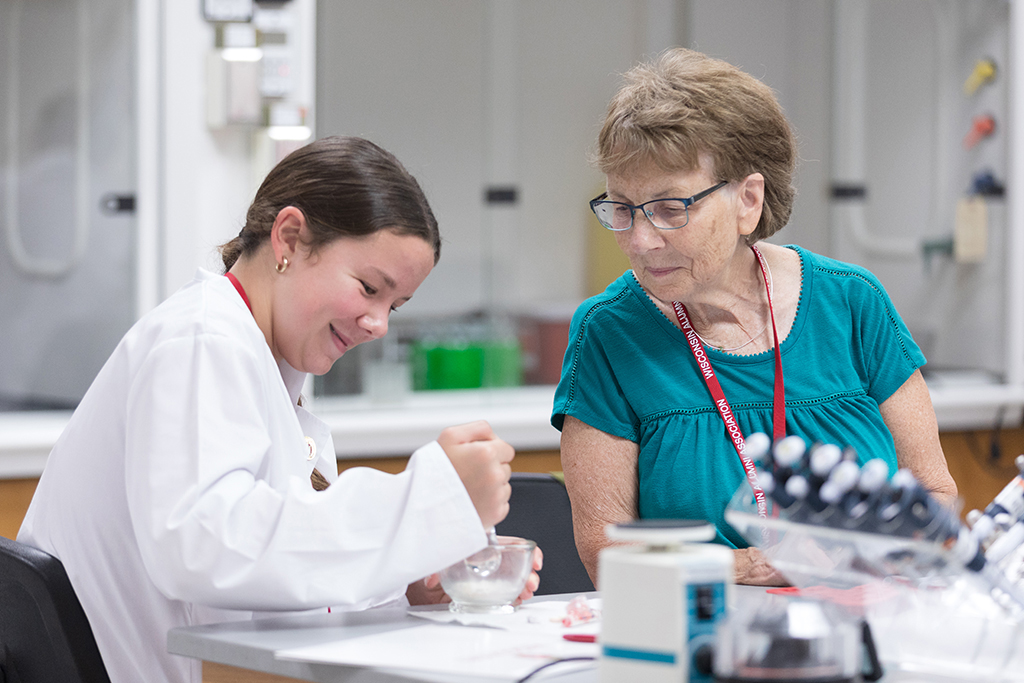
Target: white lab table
(252, 646)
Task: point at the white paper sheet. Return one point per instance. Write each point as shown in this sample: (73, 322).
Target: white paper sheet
(502, 655)
(533, 617)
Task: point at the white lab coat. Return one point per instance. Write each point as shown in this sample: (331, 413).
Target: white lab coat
(179, 493)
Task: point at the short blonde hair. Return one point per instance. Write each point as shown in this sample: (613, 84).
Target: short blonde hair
(686, 106)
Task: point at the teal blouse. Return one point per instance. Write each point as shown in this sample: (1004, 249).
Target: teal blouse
(629, 372)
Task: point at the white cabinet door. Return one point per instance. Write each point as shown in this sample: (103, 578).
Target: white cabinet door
(67, 179)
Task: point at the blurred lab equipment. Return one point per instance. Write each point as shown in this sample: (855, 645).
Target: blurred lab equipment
(386, 373)
(982, 126)
(940, 597)
(449, 364)
(863, 498)
(776, 638)
(970, 230)
(986, 184)
(472, 354)
(942, 95)
(1000, 527)
(544, 336)
(662, 597)
(984, 72)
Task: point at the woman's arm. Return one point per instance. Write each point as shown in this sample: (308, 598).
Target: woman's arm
(909, 415)
(601, 477)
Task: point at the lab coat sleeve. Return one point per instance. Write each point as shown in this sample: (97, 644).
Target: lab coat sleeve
(213, 530)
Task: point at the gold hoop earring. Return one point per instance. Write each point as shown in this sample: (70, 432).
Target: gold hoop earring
(283, 266)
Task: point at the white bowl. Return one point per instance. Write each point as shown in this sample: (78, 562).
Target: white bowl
(489, 581)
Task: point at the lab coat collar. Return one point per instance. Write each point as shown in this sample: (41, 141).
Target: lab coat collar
(293, 379)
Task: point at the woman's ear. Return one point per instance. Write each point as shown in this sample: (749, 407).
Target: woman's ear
(750, 196)
(287, 232)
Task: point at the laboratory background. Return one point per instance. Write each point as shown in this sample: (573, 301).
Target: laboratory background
(133, 134)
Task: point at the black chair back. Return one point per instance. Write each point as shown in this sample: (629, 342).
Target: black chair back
(540, 511)
(45, 636)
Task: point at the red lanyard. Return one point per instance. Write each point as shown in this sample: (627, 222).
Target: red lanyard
(708, 373)
(241, 291)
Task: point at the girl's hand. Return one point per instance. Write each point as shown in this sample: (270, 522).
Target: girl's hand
(481, 460)
(533, 581)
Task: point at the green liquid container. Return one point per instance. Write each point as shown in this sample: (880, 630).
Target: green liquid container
(447, 366)
(503, 363)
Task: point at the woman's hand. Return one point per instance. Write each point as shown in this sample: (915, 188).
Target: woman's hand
(753, 569)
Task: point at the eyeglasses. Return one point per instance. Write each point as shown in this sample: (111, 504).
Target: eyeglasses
(664, 214)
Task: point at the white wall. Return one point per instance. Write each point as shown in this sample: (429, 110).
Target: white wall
(918, 169)
(205, 178)
(67, 126)
(917, 55)
(476, 92)
(787, 44)
(206, 181)
(417, 78)
(469, 93)
(409, 76)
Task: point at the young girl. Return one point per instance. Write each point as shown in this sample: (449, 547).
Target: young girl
(185, 487)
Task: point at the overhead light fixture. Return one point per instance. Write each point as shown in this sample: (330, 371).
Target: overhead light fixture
(294, 133)
(241, 54)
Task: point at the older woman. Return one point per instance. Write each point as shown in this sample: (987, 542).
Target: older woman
(699, 159)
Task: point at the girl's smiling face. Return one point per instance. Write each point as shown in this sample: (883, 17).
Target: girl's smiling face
(327, 303)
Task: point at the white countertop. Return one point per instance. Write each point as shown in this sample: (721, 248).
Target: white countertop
(521, 416)
(361, 427)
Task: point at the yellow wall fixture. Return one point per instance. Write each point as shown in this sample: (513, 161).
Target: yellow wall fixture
(970, 234)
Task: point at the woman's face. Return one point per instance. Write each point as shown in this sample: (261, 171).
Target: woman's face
(329, 302)
(674, 265)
